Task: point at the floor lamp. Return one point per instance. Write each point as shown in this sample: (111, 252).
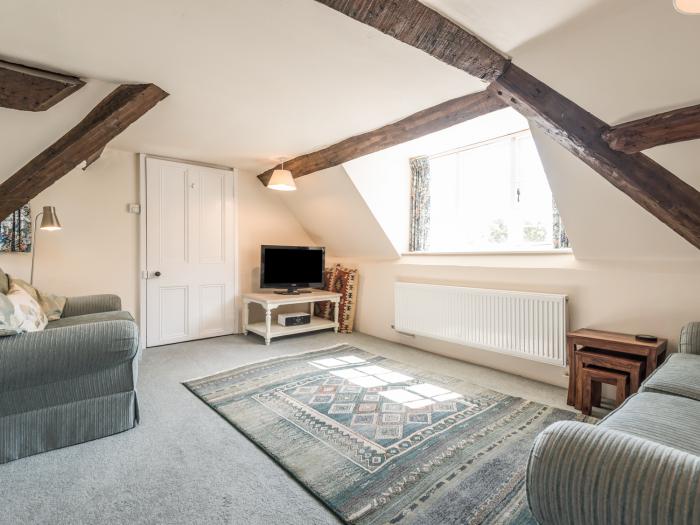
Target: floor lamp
(49, 222)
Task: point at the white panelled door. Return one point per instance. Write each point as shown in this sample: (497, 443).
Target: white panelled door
(190, 258)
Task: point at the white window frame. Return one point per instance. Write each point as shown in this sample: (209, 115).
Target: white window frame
(506, 250)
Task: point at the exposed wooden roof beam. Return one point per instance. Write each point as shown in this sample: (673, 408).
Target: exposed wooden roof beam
(419, 26)
(114, 114)
(672, 126)
(657, 190)
(30, 89)
(433, 119)
(653, 187)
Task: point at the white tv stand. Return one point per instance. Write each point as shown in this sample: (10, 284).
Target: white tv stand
(271, 301)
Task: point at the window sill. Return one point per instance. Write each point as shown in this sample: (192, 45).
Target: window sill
(560, 251)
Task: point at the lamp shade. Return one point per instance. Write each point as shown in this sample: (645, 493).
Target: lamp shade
(49, 221)
(689, 7)
(282, 180)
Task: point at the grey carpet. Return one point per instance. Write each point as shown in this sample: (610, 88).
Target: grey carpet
(184, 463)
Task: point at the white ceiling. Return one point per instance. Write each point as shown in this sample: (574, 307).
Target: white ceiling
(249, 80)
(255, 80)
(509, 24)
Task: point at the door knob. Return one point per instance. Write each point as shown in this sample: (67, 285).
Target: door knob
(156, 273)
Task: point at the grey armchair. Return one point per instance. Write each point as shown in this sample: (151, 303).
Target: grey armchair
(73, 382)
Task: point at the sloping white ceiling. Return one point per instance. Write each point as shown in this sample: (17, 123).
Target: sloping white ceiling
(601, 221)
(619, 59)
(331, 210)
(509, 24)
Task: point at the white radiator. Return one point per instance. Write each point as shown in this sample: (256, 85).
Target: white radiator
(531, 325)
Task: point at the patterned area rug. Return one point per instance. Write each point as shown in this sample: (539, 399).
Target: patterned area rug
(379, 441)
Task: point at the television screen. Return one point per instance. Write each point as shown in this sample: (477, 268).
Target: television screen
(291, 266)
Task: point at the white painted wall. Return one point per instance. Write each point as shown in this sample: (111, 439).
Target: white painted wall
(632, 297)
(263, 219)
(97, 249)
(618, 59)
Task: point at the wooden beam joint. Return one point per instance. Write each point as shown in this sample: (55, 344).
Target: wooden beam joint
(677, 125)
(649, 184)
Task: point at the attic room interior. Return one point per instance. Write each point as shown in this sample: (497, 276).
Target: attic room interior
(350, 261)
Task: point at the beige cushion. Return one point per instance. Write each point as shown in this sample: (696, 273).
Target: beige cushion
(10, 324)
(27, 310)
(52, 305)
(4, 282)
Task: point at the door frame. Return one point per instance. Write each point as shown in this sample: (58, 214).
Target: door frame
(143, 268)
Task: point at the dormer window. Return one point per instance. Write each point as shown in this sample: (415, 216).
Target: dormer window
(487, 196)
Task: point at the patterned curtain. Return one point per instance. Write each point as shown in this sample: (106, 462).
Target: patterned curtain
(16, 231)
(420, 204)
(560, 240)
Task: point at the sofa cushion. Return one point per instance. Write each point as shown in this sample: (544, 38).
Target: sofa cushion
(90, 318)
(51, 304)
(669, 420)
(679, 375)
(10, 324)
(4, 282)
(27, 309)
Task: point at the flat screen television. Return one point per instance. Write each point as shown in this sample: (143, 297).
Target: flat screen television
(291, 267)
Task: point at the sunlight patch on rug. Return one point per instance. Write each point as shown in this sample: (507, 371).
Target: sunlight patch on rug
(379, 441)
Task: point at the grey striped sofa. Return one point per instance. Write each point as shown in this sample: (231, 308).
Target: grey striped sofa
(73, 382)
(639, 465)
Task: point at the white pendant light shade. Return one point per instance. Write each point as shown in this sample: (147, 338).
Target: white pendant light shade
(282, 180)
(689, 7)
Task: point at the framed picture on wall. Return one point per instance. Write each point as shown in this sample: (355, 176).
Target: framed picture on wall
(16, 231)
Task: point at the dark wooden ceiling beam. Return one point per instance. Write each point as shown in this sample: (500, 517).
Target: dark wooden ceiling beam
(30, 89)
(419, 26)
(649, 184)
(677, 125)
(657, 190)
(84, 142)
(430, 120)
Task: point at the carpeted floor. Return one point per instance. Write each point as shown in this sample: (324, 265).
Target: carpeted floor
(185, 464)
